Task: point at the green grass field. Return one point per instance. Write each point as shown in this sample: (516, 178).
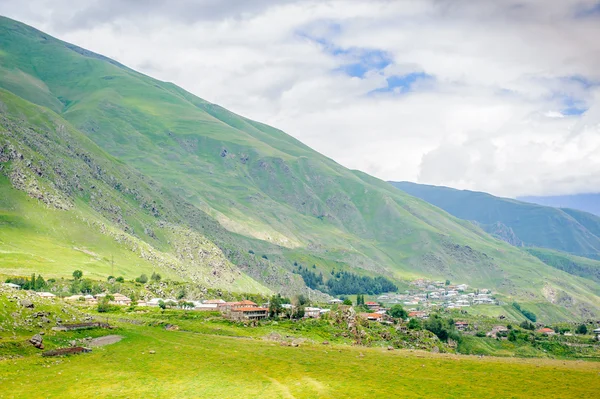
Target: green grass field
(188, 365)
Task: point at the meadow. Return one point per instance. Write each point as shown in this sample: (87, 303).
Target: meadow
(191, 365)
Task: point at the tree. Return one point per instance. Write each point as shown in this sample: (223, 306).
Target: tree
(348, 301)
(32, 284)
(162, 304)
(110, 279)
(582, 329)
(527, 325)
(120, 279)
(77, 274)
(299, 312)
(104, 305)
(275, 307)
(447, 282)
(398, 312)
(142, 279)
(302, 300)
(155, 277)
(414, 324)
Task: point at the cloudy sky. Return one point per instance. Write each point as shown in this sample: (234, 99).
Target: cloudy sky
(499, 96)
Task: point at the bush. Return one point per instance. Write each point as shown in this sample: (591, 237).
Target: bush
(582, 329)
(415, 324)
(142, 279)
(155, 277)
(480, 334)
(398, 312)
(348, 301)
(120, 279)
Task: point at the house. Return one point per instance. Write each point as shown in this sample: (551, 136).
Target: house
(462, 303)
(461, 325)
(213, 301)
(11, 285)
(287, 306)
(451, 293)
(248, 313)
(502, 330)
(120, 299)
(372, 316)
(336, 301)
(374, 306)
(46, 294)
(209, 307)
(418, 315)
(546, 331)
(313, 313)
(462, 287)
(597, 333)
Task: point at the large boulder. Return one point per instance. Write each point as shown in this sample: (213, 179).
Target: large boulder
(37, 341)
(26, 303)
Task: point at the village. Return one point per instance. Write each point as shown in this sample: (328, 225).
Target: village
(426, 295)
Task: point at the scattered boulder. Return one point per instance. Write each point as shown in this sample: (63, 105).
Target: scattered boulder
(390, 348)
(26, 303)
(152, 352)
(37, 341)
(325, 342)
(171, 327)
(435, 349)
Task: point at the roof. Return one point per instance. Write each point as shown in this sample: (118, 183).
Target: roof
(246, 302)
(372, 315)
(213, 301)
(371, 303)
(545, 330)
(462, 323)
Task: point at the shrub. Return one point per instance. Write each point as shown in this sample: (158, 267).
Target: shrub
(415, 324)
(142, 279)
(120, 279)
(398, 312)
(581, 329)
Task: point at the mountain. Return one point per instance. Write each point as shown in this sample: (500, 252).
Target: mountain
(589, 203)
(517, 222)
(100, 162)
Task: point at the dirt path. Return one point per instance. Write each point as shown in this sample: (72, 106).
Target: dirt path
(106, 340)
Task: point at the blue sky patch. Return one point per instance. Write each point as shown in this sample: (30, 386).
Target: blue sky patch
(365, 60)
(403, 83)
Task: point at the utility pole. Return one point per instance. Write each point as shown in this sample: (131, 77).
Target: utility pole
(112, 262)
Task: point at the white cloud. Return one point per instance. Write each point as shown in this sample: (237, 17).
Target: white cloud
(494, 117)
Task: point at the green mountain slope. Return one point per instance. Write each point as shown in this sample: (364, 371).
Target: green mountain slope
(565, 230)
(183, 177)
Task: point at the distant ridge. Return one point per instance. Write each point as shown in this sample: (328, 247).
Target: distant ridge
(517, 222)
(582, 202)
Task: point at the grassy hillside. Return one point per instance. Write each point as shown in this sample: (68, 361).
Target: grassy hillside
(565, 230)
(190, 187)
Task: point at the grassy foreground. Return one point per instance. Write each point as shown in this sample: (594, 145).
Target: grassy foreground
(207, 366)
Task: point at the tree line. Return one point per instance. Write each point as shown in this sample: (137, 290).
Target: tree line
(345, 283)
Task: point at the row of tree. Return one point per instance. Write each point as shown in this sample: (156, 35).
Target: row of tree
(345, 283)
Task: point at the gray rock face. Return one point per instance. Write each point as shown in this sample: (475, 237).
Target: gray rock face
(37, 341)
(26, 303)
